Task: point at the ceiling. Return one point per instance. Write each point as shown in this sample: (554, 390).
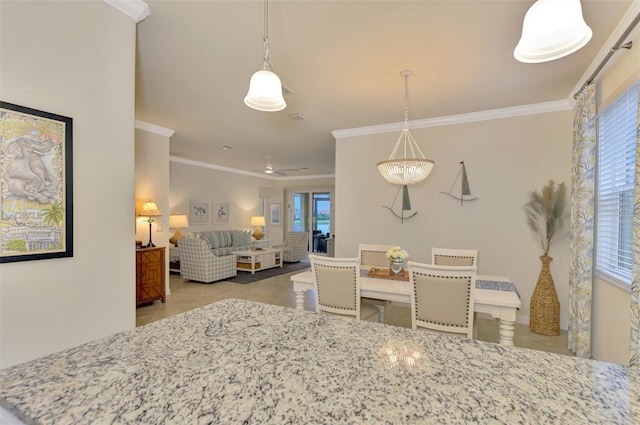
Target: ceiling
(341, 61)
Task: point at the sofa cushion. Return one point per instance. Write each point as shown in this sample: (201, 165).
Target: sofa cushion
(241, 238)
(220, 238)
(220, 252)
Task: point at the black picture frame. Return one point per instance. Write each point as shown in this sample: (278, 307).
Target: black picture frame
(36, 184)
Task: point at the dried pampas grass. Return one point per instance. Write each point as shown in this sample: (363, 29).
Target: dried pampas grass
(545, 212)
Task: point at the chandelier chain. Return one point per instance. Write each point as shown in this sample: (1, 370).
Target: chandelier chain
(406, 102)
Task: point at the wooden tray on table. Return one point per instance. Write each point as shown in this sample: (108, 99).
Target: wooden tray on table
(383, 273)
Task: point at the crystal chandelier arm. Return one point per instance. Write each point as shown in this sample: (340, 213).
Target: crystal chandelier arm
(415, 145)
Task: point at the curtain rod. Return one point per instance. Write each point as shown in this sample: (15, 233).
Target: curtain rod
(619, 45)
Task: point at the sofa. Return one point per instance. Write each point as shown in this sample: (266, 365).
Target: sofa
(295, 247)
(209, 256)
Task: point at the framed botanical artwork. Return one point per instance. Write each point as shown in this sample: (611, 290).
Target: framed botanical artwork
(275, 214)
(220, 213)
(36, 190)
(199, 212)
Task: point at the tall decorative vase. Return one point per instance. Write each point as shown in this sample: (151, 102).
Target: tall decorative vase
(544, 314)
(396, 267)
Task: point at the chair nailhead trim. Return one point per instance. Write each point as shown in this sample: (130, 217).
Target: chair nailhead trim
(415, 294)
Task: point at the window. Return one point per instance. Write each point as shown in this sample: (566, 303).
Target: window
(617, 136)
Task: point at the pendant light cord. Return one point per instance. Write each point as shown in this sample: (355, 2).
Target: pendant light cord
(265, 39)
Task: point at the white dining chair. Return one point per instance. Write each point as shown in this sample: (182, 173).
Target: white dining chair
(337, 285)
(371, 255)
(442, 298)
(454, 257)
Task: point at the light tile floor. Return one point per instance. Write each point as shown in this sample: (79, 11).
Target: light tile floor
(278, 290)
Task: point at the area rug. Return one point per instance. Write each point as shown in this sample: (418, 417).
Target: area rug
(247, 277)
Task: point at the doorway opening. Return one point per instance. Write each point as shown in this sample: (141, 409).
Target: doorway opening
(312, 213)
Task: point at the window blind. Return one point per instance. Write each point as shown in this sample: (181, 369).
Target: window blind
(617, 134)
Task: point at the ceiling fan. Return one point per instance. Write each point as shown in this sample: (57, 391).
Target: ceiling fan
(270, 169)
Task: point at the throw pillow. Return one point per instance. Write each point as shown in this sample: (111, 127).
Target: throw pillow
(241, 238)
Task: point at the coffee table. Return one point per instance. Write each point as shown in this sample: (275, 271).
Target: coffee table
(253, 260)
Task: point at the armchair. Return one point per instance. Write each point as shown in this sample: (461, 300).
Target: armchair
(199, 263)
(295, 247)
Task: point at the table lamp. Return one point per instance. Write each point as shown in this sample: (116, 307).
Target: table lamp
(150, 209)
(258, 221)
(177, 221)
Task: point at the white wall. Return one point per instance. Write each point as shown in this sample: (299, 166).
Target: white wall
(611, 319)
(199, 182)
(152, 183)
(74, 59)
(505, 159)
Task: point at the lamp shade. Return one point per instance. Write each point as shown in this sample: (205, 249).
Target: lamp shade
(178, 221)
(265, 92)
(552, 29)
(150, 209)
(257, 220)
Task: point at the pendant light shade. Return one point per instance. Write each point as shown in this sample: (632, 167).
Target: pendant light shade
(413, 167)
(265, 88)
(265, 92)
(552, 29)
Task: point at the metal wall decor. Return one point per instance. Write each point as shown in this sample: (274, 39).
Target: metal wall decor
(406, 204)
(465, 191)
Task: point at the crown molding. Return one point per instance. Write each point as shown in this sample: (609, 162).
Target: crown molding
(243, 172)
(494, 114)
(625, 22)
(156, 129)
(137, 10)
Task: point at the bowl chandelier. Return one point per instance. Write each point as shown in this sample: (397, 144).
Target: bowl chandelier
(551, 30)
(265, 88)
(413, 167)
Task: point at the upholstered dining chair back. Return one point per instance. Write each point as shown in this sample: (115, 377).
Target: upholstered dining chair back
(337, 285)
(442, 297)
(373, 255)
(369, 256)
(454, 257)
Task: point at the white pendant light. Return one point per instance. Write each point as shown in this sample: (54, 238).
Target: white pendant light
(552, 29)
(413, 167)
(265, 88)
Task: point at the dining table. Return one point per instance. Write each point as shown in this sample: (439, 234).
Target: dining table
(494, 295)
(243, 362)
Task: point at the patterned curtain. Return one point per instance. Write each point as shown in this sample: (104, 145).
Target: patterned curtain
(634, 344)
(582, 223)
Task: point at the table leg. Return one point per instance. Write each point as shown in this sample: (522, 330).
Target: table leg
(387, 312)
(299, 299)
(507, 331)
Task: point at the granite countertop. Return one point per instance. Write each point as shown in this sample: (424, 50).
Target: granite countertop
(237, 361)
